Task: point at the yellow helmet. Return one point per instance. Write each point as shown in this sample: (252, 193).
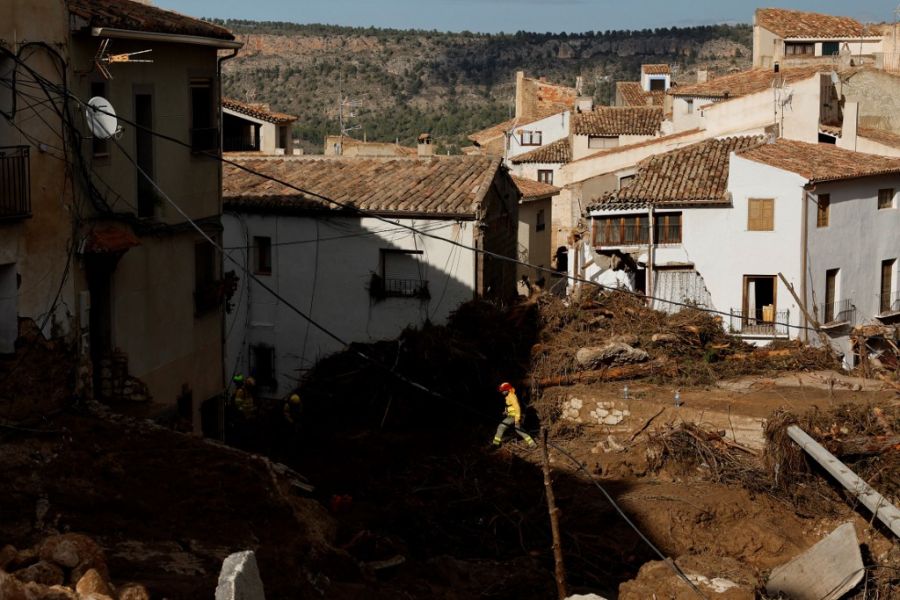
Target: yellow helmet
(294, 399)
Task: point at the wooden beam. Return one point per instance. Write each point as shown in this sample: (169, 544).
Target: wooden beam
(554, 519)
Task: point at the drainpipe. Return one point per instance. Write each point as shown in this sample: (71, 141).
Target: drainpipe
(219, 61)
(650, 257)
(804, 256)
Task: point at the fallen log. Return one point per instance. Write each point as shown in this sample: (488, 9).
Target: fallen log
(610, 374)
(761, 354)
(886, 512)
(863, 445)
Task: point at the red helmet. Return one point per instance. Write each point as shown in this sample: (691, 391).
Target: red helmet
(504, 387)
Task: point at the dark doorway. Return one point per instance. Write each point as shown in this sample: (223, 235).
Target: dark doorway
(143, 115)
(759, 298)
(99, 270)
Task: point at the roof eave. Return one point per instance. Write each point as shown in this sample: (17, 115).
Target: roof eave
(170, 38)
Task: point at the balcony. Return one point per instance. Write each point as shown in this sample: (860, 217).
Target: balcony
(15, 183)
(759, 324)
(205, 139)
(836, 314)
(380, 288)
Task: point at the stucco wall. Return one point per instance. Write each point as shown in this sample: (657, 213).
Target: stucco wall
(552, 128)
(858, 237)
(329, 280)
(534, 245)
(530, 170)
(878, 95)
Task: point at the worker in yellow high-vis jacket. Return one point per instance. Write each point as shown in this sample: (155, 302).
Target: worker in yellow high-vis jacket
(512, 417)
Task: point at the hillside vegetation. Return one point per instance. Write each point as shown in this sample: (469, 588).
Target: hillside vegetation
(448, 84)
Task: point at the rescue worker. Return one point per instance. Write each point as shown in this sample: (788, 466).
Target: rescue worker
(289, 430)
(512, 418)
(292, 410)
(241, 412)
(243, 396)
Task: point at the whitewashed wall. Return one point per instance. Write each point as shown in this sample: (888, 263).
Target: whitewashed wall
(330, 281)
(552, 128)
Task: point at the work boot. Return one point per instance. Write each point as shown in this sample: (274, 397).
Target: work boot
(531, 443)
(496, 443)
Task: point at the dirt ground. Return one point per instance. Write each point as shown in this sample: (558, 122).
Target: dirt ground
(410, 501)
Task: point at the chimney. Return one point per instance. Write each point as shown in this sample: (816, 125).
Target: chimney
(579, 84)
(584, 104)
(520, 93)
(702, 75)
(424, 147)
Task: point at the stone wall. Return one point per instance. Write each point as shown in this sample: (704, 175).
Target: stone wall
(116, 385)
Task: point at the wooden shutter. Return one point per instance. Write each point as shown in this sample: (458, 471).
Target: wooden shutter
(887, 272)
(823, 210)
(761, 214)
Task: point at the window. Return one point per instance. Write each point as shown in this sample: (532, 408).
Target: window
(540, 223)
(831, 276)
(657, 85)
(207, 291)
(886, 300)
(799, 49)
(621, 231)
(761, 214)
(204, 133)
(885, 198)
(603, 141)
(262, 367)
(667, 228)
(545, 176)
(402, 275)
(625, 180)
(262, 260)
(689, 104)
(15, 182)
(144, 151)
(831, 48)
(99, 146)
(530, 138)
(823, 210)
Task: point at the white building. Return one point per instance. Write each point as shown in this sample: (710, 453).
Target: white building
(535, 217)
(729, 216)
(254, 127)
(649, 91)
(363, 278)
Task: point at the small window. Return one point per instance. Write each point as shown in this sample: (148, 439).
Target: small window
(761, 214)
(204, 133)
(657, 85)
(626, 180)
(600, 142)
(207, 291)
(831, 48)
(262, 259)
(667, 228)
(402, 274)
(545, 176)
(262, 367)
(540, 223)
(823, 210)
(885, 198)
(530, 138)
(799, 49)
(99, 146)
(689, 104)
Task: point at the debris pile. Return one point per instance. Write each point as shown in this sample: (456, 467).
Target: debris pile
(62, 567)
(610, 336)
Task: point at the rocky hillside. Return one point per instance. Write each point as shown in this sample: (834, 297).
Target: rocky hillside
(406, 82)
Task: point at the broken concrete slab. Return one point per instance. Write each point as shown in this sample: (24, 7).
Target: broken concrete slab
(826, 571)
(239, 578)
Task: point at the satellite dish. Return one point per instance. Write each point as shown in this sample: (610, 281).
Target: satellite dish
(101, 118)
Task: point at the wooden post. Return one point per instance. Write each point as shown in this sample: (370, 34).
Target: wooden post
(554, 520)
(822, 335)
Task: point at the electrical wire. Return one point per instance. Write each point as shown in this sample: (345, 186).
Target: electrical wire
(374, 215)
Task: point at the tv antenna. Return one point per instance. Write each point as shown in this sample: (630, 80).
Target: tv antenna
(103, 58)
(350, 106)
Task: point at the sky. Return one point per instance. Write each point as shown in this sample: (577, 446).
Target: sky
(514, 15)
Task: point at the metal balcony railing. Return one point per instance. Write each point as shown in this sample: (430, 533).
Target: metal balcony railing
(758, 323)
(405, 288)
(889, 302)
(841, 312)
(205, 139)
(15, 182)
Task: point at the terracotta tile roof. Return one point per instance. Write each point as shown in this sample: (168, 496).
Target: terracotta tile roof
(554, 152)
(618, 120)
(655, 69)
(388, 148)
(821, 162)
(534, 190)
(693, 175)
(257, 111)
(634, 95)
(125, 14)
(886, 138)
(495, 131)
(745, 82)
(446, 186)
(800, 24)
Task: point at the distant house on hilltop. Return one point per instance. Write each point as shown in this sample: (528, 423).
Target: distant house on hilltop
(254, 127)
(649, 91)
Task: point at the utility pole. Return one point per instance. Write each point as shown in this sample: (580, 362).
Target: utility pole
(554, 520)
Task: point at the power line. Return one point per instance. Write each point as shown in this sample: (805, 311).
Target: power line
(373, 215)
